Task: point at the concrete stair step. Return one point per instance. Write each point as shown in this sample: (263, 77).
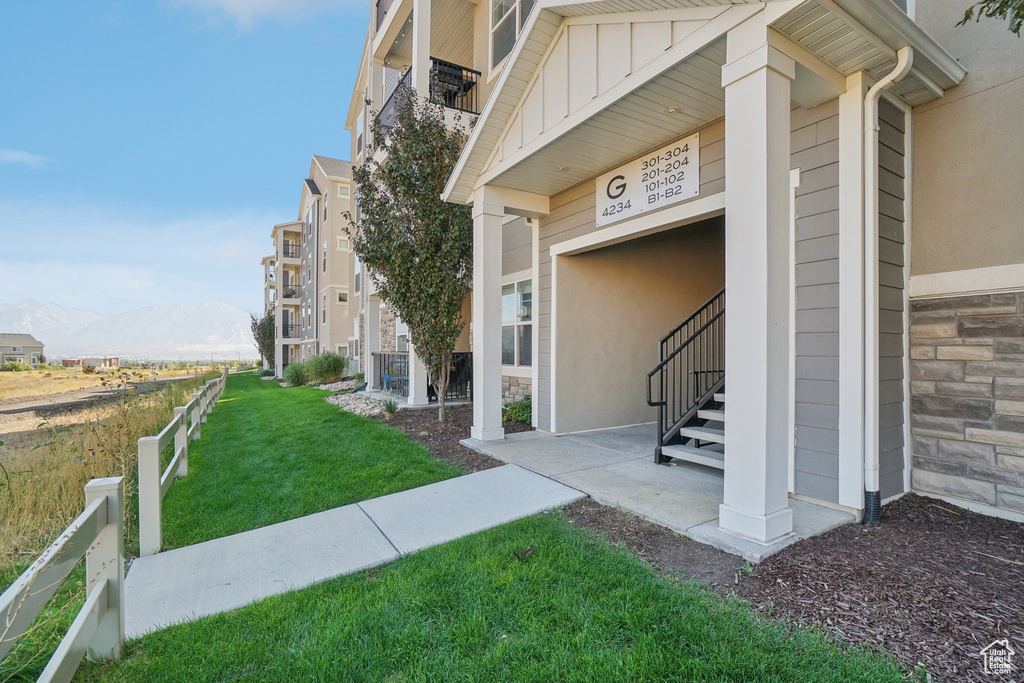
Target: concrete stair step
(715, 415)
(700, 456)
(720, 397)
(703, 434)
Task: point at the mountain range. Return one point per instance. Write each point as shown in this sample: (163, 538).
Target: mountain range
(187, 331)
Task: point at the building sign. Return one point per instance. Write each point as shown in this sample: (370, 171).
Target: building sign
(661, 178)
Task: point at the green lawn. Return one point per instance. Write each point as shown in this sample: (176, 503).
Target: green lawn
(576, 609)
(270, 454)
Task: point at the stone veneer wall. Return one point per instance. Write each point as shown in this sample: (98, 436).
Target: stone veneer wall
(967, 408)
(514, 388)
(388, 328)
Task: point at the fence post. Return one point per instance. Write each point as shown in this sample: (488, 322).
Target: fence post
(181, 439)
(105, 562)
(150, 504)
(197, 414)
(205, 400)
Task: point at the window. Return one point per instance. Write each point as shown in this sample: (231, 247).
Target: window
(401, 336)
(15, 349)
(325, 257)
(325, 208)
(324, 310)
(517, 323)
(359, 269)
(342, 297)
(507, 20)
(342, 244)
(344, 192)
(342, 350)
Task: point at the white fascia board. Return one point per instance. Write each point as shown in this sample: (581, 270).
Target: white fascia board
(971, 281)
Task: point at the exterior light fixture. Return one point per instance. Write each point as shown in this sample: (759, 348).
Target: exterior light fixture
(672, 110)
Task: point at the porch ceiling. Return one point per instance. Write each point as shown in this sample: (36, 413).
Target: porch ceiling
(451, 30)
(632, 125)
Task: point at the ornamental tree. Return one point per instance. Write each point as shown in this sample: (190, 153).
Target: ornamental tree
(263, 335)
(417, 248)
(999, 9)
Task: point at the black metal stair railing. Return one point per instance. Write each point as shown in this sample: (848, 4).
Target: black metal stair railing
(691, 368)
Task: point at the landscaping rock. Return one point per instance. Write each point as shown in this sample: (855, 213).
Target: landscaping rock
(344, 385)
(360, 404)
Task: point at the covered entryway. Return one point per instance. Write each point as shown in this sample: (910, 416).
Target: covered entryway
(612, 306)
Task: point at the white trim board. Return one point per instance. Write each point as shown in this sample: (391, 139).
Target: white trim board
(971, 281)
(644, 224)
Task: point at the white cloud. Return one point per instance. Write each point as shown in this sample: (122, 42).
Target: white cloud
(18, 156)
(248, 13)
(115, 259)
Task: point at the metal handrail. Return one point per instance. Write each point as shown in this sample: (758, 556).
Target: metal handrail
(678, 328)
(682, 347)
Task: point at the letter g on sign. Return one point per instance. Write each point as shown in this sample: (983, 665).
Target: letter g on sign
(619, 184)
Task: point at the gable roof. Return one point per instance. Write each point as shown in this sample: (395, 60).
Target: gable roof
(334, 168)
(311, 186)
(17, 339)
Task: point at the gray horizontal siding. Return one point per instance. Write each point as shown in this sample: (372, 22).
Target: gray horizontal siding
(815, 151)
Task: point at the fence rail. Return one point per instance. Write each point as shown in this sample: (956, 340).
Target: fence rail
(154, 482)
(98, 630)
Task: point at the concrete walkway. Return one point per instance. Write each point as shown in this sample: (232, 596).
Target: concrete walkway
(616, 467)
(234, 571)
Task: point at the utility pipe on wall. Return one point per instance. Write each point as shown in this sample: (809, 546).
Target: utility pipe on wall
(872, 495)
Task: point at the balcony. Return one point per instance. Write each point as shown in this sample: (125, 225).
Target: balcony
(452, 85)
(289, 331)
(290, 291)
(290, 250)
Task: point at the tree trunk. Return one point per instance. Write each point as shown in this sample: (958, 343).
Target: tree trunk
(441, 385)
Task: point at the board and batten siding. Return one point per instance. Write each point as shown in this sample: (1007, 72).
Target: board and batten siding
(891, 278)
(814, 147)
(573, 214)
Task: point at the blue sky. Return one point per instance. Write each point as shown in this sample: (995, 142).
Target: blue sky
(148, 146)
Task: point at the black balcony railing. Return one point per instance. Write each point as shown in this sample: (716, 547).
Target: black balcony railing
(290, 249)
(289, 291)
(452, 85)
(382, 10)
(393, 371)
(289, 331)
(460, 378)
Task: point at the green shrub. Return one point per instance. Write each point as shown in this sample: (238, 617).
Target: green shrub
(266, 373)
(359, 378)
(326, 367)
(14, 366)
(390, 406)
(296, 374)
(520, 411)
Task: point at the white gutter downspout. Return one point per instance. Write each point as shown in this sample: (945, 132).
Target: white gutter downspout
(872, 497)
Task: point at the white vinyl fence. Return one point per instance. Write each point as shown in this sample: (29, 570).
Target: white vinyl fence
(98, 536)
(153, 484)
(98, 630)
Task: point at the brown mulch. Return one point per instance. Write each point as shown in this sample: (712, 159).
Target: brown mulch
(442, 439)
(933, 585)
(665, 550)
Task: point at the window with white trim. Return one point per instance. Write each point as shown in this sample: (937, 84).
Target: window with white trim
(517, 323)
(401, 336)
(342, 350)
(323, 307)
(342, 244)
(342, 297)
(507, 20)
(344, 192)
(325, 257)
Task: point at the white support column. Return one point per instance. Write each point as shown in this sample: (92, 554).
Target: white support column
(417, 380)
(487, 221)
(851, 291)
(371, 337)
(105, 563)
(150, 500)
(421, 47)
(181, 439)
(375, 93)
(757, 159)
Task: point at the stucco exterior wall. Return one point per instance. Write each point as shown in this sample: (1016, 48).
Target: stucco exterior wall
(967, 200)
(614, 304)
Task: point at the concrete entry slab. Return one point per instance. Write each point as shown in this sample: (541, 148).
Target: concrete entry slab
(428, 515)
(616, 467)
(231, 572)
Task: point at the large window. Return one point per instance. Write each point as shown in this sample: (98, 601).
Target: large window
(517, 323)
(507, 20)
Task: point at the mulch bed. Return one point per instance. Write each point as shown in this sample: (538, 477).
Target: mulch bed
(442, 439)
(933, 585)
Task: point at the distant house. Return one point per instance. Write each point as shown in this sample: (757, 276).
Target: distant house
(20, 348)
(104, 362)
(72, 362)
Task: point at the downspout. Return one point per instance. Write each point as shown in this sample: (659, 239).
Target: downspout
(872, 495)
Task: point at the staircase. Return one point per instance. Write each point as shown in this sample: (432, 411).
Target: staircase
(687, 387)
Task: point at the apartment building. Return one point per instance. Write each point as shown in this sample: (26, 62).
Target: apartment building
(308, 280)
(837, 171)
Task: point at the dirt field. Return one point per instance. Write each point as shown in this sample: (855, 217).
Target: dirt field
(15, 387)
